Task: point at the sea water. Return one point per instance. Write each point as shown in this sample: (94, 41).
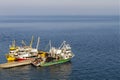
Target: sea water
(95, 41)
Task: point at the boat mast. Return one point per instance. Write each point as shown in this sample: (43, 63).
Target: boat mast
(62, 44)
(38, 43)
(23, 42)
(50, 43)
(31, 42)
(13, 43)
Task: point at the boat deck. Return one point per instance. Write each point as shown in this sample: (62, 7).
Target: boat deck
(15, 64)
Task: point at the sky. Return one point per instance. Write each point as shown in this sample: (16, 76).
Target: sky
(59, 7)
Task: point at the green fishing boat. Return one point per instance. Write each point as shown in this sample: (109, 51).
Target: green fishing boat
(55, 62)
(51, 62)
(54, 56)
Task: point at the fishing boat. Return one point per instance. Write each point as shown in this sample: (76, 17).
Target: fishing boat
(22, 53)
(54, 56)
(26, 53)
(51, 62)
(12, 52)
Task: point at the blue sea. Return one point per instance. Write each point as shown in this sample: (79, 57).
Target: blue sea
(95, 41)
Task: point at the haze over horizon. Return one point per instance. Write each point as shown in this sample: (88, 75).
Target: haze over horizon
(59, 7)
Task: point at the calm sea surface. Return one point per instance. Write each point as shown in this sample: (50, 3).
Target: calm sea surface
(95, 41)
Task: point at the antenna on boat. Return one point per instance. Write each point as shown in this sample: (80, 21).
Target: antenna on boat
(31, 42)
(13, 43)
(13, 46)
(23, 42)
(38, 43)
(62, 44)
(50, 43)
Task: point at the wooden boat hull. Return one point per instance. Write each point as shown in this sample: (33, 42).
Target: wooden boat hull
(15, 64)
(30, 58)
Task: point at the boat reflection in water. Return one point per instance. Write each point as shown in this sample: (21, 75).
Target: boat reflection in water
(16, 73)
(61, 72)
(56, 72)
(28, 72)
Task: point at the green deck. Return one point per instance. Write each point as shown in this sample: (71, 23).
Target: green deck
(55, 62)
